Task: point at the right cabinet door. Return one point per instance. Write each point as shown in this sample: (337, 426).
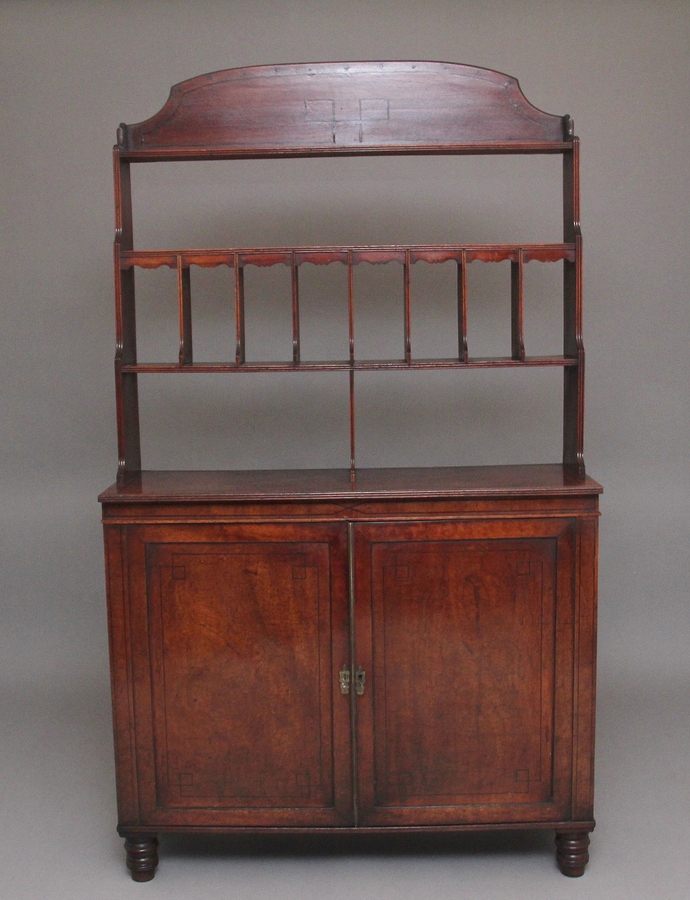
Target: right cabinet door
(465, 633)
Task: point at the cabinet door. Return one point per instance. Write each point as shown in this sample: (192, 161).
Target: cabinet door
(238, 634)
(465, 633)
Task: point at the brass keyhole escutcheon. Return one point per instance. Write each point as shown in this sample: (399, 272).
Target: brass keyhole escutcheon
(360, 681)
(344, 679)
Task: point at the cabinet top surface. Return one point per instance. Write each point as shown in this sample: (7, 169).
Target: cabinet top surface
(384, 483)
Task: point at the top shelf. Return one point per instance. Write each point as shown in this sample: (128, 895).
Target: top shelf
(487, 148)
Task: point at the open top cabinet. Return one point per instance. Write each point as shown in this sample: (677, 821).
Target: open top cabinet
(351, 649)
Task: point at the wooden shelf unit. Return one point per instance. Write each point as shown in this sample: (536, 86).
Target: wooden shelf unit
(423, 639)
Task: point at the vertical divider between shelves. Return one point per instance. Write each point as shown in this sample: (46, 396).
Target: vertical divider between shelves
(240, 352)
(351, 343)
(517, 339)
(462, 307)
(184, 302)
(295, 309)
(408, 315)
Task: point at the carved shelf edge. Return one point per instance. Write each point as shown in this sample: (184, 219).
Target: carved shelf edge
(254, 256)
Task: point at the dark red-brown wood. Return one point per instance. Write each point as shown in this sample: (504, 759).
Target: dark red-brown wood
(572, 852)
(237, 635)
(257, 485)
(346, 108)
(142, 856)
(464, 628)
(351, 650)
(342, 107)
(471, 615)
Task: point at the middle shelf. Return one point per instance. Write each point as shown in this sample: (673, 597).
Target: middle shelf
(295, 258)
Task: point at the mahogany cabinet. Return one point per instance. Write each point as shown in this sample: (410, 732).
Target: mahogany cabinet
(351, 649)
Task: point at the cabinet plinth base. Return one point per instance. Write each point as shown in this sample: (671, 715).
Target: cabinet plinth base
(572, 854)
(142, 856)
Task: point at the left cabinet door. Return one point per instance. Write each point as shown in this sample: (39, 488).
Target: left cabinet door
(235, 635)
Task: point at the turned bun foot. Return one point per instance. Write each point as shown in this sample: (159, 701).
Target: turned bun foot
(142, 856)
(571, 852)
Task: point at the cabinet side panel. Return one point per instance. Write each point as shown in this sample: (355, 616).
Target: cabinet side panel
(120, 674)
(585, 670)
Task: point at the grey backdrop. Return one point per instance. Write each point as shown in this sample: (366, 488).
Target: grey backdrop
(71, 71)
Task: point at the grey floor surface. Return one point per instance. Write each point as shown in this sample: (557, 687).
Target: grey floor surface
(57, 819)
